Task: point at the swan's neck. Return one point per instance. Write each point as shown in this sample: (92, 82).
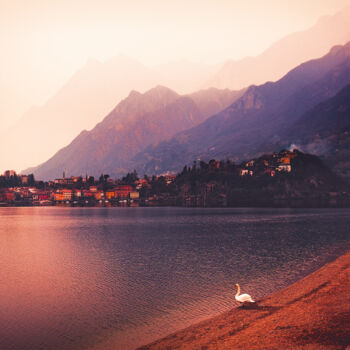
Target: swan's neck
(238, 291)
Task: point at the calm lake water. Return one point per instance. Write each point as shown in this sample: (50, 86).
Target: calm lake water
(116, 278)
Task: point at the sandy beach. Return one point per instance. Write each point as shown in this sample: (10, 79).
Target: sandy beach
(313, 313)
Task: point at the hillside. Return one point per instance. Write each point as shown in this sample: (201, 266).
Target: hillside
(137, 121)
(259, 116)
(325, 131)
(283, 179)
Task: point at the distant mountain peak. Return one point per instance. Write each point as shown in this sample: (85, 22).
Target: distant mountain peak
(285, 54)
(134, 93)
(158, 94)
(160, 91)
(160, 88)
(340, 48)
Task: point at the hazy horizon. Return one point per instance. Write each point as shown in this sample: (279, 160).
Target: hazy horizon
(45, 44)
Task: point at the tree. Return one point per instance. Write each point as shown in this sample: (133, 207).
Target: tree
(203, 165)
(91, 180)
(130, 178)
(31, 180)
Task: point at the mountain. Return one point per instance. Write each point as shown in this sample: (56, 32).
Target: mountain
(285, 54)
(84, 100)
(260, 115)
(323, 130)
(136, 122)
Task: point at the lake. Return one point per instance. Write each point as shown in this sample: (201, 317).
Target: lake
(117, 278)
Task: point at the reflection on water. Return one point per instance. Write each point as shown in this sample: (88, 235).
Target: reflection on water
(99, 278)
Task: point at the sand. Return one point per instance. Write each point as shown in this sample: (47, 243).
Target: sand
(313, 313)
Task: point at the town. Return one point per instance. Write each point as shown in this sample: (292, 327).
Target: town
(284, 178)
(24, 190)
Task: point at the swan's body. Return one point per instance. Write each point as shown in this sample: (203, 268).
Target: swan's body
(243, 298)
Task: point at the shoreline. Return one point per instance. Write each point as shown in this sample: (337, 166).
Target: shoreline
(312, 313)
(137, 205)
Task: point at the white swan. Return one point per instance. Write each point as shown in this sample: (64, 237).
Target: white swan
(243, 298)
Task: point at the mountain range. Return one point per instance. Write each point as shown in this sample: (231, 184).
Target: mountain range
(90, 94)
(260, 117)
(136, 122)
(96, 88)
(285, 54)
(161, 131)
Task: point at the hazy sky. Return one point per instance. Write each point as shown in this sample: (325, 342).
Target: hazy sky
(44, 42)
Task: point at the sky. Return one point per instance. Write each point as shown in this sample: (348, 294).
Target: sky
(43, 42)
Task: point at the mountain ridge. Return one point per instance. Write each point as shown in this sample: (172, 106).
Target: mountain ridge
(138, 120)
(262, 111)
(284, 54)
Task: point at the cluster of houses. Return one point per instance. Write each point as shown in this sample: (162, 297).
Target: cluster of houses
(24, 195)
(269, 164)
(91, 196)
(75, 190)
(117, 193)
